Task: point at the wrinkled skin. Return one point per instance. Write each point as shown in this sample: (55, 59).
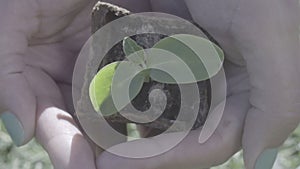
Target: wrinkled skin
(40, 41)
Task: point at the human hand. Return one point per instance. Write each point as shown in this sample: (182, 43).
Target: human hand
(272, 56)
(38, 47)
(262, 106)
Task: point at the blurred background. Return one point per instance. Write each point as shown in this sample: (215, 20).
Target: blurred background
(33, 156)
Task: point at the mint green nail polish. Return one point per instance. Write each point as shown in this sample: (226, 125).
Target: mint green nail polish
(266, 159)
(13, 127)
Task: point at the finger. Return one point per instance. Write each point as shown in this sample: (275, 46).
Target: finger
(18, 107)
(17, 102)
(66, 91)
(271, 49)
(189, 153)
(55, 128)
(64, 143)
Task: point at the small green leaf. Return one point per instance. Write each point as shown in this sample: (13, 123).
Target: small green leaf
(194, 51)
(100, 89)
(127, 83)
(130, 47)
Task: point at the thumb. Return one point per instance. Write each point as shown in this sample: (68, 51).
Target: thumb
(263, 133)
(271, 49)
(17, 102)
(17, 106)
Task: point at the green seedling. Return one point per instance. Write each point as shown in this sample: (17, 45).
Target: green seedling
(138, 55)
(188, 58)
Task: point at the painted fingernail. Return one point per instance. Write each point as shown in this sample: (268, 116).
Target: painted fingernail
(13, 127)
(266, 159)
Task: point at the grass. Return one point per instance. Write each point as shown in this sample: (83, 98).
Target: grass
(30, 156)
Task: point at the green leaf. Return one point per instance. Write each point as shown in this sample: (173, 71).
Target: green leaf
(127, 83)
(195, 52)
(131, 49)
(166, 67)
(100, 89)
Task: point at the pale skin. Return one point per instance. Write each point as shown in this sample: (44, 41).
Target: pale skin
(40, 41)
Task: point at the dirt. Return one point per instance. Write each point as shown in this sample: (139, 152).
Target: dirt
(104, 13)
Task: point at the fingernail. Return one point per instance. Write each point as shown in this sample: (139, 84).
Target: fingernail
(13, 127)
(266, 159)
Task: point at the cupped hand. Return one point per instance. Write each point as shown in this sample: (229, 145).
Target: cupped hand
(38, 47)
(261, 42)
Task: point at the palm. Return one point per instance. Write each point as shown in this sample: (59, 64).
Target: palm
(53, 49)
(36, 86)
